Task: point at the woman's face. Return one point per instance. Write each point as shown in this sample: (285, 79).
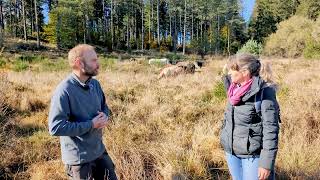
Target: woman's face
(240, 76)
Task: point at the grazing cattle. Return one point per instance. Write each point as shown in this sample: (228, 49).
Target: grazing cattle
(182, 63)
(1, 51)
(190, 68)
(170, 71)
(132, 59)
(180, 68)
(199, 63)
(138, 59)
(187, 66)
(159, 61)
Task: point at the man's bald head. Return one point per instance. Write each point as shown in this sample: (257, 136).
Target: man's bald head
(78, 52)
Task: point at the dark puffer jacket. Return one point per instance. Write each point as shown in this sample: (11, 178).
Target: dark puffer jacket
(245, 133)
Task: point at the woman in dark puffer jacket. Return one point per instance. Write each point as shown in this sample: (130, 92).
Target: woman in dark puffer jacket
(250, 129)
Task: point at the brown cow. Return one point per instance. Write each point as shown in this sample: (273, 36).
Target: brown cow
(187, 66)
(179, 68)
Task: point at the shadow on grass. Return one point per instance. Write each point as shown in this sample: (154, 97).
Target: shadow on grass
(284, 175)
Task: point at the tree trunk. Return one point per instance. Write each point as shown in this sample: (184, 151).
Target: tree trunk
(1, 25)
(58, 25)
(184, 27)
(136, 29)
(128, 30)
(152, 29)
(31, 18)
(218, 35)
(112, 30)
(158, 23)
(37, 23)
(180, 29)
(210, 38)
(24, 20)
(175, 33)
(197, 28)
(229, 40)
(104, 25)
(142, 26)
(1, 37)
(149, 35)
(50, 5)
(89, 28)
(15, 19)
(192, 32)
(10, 19)
(201, 31)
(85, 29)
(128, 34)
(1, 16)
(170, 32)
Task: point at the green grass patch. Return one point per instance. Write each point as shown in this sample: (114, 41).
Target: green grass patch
(2, 63)
(283, 92)
(207, 96)
(40, 137)
(158, 64)
(174, 56)
(108, 63)
(54, 65)
(29, 58)
(219, 92)
(38, 64)
(19, 66)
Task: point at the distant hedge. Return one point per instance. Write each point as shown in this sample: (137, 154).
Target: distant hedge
(291, 38)
(252, 47)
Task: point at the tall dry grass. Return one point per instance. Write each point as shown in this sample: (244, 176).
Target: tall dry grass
(160, 129)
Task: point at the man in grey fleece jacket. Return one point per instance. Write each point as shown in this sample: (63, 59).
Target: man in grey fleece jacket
(78, 113)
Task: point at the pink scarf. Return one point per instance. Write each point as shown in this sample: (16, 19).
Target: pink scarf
(235, 93)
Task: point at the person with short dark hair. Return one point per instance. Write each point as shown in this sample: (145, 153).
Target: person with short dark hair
(78, 113)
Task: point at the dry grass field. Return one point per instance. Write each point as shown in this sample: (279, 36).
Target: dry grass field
(160, 129)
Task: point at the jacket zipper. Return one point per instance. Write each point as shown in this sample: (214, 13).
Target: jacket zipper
(232, 115)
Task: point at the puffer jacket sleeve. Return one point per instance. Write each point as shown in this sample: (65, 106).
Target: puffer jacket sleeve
(270, 124)
(226, 79)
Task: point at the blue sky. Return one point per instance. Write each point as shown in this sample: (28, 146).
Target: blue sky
(247, 10)
(45, 13)
(248, 6)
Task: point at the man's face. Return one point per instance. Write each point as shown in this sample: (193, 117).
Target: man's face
(90, 64)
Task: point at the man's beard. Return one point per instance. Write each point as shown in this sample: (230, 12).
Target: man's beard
(88, 71)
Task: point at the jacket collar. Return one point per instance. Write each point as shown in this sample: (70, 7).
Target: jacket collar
(77, 81)
(257, 84)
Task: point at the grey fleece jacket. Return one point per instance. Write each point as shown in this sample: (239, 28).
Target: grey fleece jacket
(73, 106)
(245, 133)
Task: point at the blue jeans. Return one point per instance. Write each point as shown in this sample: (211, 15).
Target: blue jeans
(244, 168)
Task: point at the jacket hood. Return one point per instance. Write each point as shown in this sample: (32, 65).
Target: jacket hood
(257, 84)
